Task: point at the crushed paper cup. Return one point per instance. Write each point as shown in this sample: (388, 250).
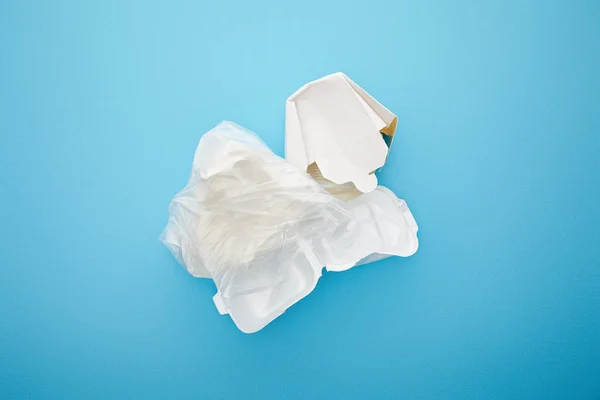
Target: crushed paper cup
(337, 125)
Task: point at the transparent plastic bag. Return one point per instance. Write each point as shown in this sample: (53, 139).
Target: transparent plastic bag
(261, 228)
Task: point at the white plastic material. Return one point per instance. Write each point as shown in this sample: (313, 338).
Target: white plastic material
(386, 228)
(258, 226)
(336, 124)
(263, 229)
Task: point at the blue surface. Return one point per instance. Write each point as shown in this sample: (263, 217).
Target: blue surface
(497, 154)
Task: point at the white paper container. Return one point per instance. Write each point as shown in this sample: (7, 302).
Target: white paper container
(336, 124)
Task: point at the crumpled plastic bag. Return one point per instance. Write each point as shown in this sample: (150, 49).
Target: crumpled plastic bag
(264, 229)
(261, 228)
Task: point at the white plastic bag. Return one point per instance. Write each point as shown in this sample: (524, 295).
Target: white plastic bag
(261, 228)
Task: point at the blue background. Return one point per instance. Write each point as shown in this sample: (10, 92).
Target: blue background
(497, 154)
